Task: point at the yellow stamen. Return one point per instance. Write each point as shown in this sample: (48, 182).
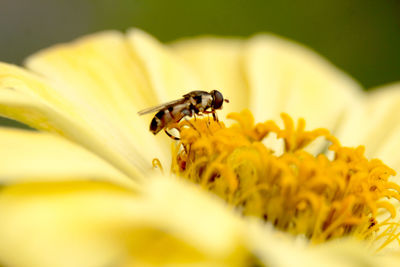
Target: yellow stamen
(157, 164)
(300, 193)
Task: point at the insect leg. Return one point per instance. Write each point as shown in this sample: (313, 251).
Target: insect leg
(215, 116)
(171, 136)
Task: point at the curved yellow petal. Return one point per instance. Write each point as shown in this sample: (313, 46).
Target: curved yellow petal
(38, 156)
(218, 63)
(99, 224)
(31, 111)
(286, 77)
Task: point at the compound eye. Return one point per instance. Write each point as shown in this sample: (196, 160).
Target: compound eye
(218, 99)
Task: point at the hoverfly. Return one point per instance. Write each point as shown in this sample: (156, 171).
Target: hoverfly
(192, 103)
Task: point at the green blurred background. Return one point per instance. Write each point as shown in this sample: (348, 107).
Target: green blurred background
(360, 36)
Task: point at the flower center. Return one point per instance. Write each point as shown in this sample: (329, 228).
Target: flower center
(316, 196)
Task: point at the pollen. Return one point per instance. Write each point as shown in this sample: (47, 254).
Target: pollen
(321, 196)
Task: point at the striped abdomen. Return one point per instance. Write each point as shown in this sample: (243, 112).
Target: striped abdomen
(169, 115)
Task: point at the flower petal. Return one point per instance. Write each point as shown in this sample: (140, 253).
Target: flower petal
(98, 224)
(168, 74)
(375, 124)
(218, 62)
(286, 77)
(38, 156)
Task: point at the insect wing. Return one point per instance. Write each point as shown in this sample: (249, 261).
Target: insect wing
(160, 107)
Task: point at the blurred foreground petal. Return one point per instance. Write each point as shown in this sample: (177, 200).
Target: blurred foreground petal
(285, 251)
(98, 224)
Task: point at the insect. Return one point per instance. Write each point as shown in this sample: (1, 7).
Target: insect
(192, 103)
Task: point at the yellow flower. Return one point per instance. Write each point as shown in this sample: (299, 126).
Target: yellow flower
(83, 192)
